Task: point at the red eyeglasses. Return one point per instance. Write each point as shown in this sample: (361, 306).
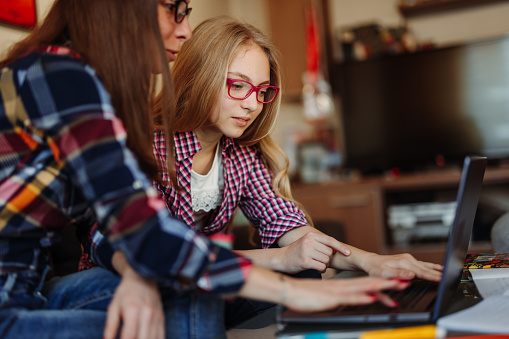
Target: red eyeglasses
(240, 90)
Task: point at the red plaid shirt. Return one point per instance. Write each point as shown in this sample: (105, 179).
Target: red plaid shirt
(247, 185)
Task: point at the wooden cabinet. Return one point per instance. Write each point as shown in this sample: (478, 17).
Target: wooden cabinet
(356, 207)
(361, 206)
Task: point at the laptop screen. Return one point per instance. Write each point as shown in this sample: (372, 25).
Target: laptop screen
(457, 248)
(461, 230)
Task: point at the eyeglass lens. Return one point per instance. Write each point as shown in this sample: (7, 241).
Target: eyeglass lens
(182, 11)
(240, 90)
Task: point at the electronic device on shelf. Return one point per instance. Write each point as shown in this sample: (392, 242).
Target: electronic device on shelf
(420, 222)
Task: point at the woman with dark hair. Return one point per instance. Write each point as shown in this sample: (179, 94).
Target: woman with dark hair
(76, 92)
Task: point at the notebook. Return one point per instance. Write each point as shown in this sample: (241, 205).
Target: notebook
(428, 300)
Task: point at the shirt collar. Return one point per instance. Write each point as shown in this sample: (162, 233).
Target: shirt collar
(187, 144)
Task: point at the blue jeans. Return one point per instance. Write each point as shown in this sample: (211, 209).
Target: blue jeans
(75, 306)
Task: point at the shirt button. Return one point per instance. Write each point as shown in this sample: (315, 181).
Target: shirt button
(137, 184)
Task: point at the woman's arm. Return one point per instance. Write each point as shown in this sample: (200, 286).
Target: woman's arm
(309, 295)
(137, 301)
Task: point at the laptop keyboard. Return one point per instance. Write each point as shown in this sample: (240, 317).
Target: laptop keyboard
(407, 298)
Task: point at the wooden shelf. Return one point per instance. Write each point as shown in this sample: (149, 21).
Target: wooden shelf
(433, 6)
(360, 206)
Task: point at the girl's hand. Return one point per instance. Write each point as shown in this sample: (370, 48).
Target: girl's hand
(311, 251)
(402, 266)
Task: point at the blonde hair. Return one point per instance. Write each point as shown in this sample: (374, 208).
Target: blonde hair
(118, 39)
(200, 75)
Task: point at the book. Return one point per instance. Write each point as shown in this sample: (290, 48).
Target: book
(487, 260)
(489, 272)
(483, 261)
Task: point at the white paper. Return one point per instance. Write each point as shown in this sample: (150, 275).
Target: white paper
(488, 316)
(491, 281)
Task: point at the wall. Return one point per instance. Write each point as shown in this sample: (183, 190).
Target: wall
(466, 24)
(447, 27)
(10, 34)
(254, 12)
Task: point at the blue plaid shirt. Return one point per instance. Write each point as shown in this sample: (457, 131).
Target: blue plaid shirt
(64, 160)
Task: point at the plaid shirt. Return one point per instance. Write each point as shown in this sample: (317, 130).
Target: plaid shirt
(247, 185)
(64, 160)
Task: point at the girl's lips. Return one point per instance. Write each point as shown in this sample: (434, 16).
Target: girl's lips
(241, 122)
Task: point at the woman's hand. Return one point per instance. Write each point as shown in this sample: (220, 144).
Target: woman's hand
(402, 266)
(136, 306)
(308, 295)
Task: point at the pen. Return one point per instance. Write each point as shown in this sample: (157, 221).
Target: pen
(416, 332)
(324, 335)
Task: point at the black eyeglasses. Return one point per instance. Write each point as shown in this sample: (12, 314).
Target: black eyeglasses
(180, 9)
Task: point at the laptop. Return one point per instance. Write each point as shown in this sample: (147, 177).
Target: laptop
(425, 301)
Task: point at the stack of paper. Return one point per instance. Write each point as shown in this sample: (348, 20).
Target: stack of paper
(491, 282)
(488, 316)
(490, 273)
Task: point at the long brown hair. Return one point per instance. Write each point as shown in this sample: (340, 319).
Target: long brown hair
(119, 40)
(200, 76)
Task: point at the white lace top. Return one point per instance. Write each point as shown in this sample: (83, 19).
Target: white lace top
(207, 190)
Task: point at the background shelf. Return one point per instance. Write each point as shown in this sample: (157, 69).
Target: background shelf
(431, 6)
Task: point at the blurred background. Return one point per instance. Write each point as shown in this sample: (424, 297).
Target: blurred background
(344, 30)
(382, 99)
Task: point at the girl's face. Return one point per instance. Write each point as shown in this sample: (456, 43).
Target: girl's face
(173, 34)
(234, 116)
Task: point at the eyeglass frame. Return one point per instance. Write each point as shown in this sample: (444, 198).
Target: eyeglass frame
(254, 88)
(182, 14)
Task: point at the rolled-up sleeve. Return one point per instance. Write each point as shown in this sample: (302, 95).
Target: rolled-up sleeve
(271, 214)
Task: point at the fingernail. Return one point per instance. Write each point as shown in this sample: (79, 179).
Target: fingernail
(401, 280)
(347, 251)
(373, 296)
(396, 304)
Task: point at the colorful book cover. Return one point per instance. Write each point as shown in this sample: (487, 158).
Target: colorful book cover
(484, 261)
